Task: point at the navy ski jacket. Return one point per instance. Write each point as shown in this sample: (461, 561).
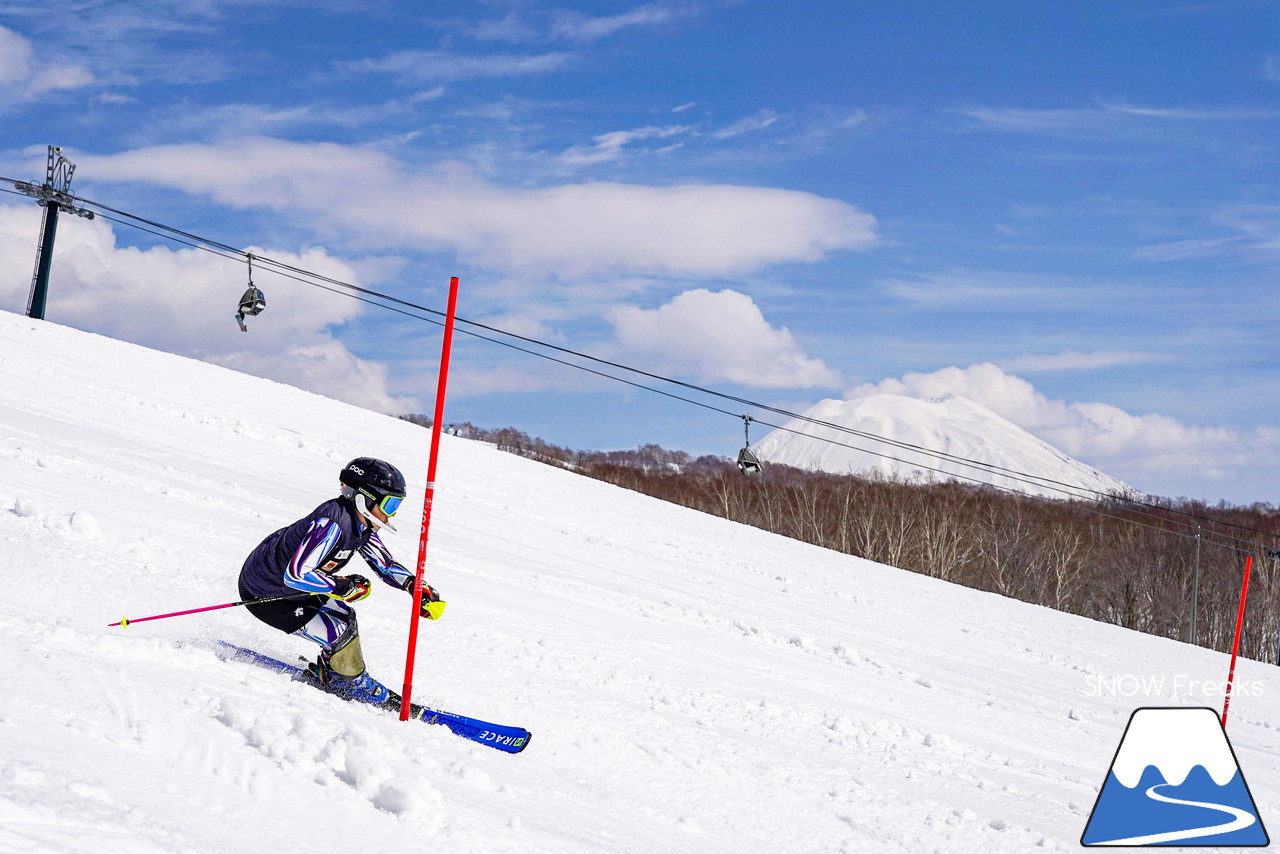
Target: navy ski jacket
(304, 556)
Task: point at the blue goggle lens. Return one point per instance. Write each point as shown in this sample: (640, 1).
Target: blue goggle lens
(390, 504)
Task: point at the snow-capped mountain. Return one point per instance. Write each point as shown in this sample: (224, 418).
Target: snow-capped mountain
(912, 432)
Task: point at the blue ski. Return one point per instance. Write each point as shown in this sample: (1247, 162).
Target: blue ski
(509, 739)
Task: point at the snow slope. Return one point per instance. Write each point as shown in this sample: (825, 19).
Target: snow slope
(950, 425)
(693, 685)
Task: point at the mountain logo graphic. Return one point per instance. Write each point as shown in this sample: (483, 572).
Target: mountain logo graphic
(1175, 781)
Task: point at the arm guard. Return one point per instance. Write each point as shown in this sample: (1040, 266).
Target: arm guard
(380, 561)
(303, 572)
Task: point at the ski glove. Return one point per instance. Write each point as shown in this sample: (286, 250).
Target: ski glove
(432, 607)
(351, 588)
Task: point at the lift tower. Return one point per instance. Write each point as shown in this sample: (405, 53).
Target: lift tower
(53, 195)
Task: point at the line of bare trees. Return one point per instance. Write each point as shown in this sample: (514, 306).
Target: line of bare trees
(1134, 566)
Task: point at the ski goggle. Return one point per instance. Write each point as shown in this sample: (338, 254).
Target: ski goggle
(389, 504)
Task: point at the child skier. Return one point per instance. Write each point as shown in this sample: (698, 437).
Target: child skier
(304, 556)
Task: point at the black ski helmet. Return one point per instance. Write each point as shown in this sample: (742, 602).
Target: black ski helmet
(368, 481)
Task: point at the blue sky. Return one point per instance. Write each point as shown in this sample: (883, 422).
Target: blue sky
(1069, 212)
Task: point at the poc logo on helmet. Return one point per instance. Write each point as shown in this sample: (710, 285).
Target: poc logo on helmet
(355, 469)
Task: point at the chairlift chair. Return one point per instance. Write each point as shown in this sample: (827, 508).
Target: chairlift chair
(253, 301)
(748, 463)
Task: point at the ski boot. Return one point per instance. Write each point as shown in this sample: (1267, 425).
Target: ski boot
(360, 687)
(363, 688)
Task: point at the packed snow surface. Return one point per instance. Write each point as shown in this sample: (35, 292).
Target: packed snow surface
(692, 685)
(929, 440)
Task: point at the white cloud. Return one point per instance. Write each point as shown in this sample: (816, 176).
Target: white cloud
(525, 323)
(513, 27)
(22, 78)
(1256, 227)
(609, 146)
(232, 120)
(571, 230)
(720, 336)
(1147, 451)
(754, 122)
(1181, 250)
(433, 65)
(578, 26)
(996, 288)
(1005, 394)
(1105, 120)
(15, 57)
(326, 367)
(855, 119)
(1271, 68)
(478, 378)
(61, 77)
(1073, 360)
(425, 95)
(527, 25)
(1214, 114)
(183, 301)
(115, 99)
(1043, 121)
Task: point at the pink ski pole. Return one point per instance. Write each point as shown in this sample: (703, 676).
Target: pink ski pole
(264, 599)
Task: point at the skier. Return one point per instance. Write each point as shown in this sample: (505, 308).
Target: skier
(304, 557)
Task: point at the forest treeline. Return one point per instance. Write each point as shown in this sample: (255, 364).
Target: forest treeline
(1110, 560)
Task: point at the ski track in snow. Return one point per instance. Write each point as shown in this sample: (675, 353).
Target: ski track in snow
(692, 685)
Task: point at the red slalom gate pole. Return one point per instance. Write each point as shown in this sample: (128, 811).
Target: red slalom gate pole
(1235, 648)
(407, 691)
